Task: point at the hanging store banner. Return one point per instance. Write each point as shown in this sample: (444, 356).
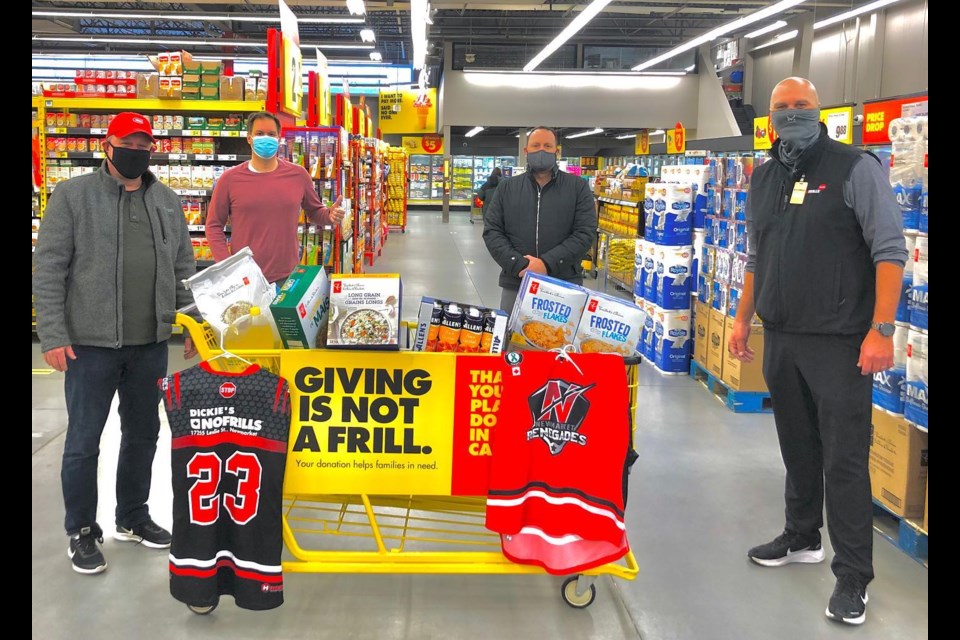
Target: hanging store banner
(677, 139)
(395, 423)
(763, 133)
(839, 122)
(430, 144)
(324, 116)
(641, 145)
(877, 117)
(292, 70)
(408, 111)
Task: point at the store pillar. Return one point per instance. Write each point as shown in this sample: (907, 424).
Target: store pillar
(447, 162)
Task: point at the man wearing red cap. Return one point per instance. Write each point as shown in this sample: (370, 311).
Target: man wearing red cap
(111, 251)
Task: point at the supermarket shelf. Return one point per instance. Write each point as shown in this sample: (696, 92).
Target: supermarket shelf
(151, 104)
(906, 534)
(88, 155)
(731, 67)
(626, 203)
(188, 133)
(193, 192)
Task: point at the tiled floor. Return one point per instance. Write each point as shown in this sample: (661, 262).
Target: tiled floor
(708, 485)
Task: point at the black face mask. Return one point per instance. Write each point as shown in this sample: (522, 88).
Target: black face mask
(131, 163)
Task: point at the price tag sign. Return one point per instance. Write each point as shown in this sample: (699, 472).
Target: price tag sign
(99, 154)
(177, 156)
(207, 133)
(839, 123)
(161, 132)
(98, 132)
(226, 156)
(191, 132)
(56, 130)
(203, 156)
(231, 134)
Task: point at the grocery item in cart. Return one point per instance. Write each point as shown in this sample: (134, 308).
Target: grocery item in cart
(451, 324)
(609, 325)
(546, 313)
(300, 308)
(364, 311)
(226, 291)
(472, 331)
(493, 325)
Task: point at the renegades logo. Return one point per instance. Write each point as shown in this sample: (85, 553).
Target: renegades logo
(558, 409)
(228, 390)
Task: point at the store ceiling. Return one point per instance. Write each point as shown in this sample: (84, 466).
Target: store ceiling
(498, 33)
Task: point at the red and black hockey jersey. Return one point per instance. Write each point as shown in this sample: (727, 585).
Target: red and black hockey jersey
(229, 449)
(559, 452)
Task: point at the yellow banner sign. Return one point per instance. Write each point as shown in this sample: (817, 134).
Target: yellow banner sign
(641, 146)
(763, 134)
(408, 112)
(677, 139)
(432, 144)
(839, 123)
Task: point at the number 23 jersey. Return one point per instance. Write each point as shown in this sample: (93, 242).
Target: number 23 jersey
(229, 448)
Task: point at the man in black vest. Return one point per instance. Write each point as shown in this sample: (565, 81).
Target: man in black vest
(824, 272)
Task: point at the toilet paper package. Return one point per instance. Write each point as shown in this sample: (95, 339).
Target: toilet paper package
(733, 301)
(740, 237)
(923, 193)
(905, 306)
(708, 231)
(901, 338)
(889, 390)
(728, 206)
(674, 278)
(673, 340)
(915, 400)
(698, 244)
(723, 264)
(920, 267)
(918, 310)
(708, 256)
(704, 289)
(672, 219)
(740, 204)
(738, 269)
(638, 270)
(720, 291)
(911, 241)
(648, 332)
(649, 198)
(697, 176)
(721, 235)
(650, 271)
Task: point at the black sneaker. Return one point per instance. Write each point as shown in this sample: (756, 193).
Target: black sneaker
(149, 534)
(85, 552)
(786, 548)
(849, 601)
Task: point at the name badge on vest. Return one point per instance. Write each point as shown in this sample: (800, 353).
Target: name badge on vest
(799, 191)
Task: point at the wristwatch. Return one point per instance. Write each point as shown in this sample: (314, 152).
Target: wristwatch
(886, 329)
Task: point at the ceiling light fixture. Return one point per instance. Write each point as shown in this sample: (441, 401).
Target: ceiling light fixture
(783, 37)
(584, 133)
(192, 17)
(190, 43)
(474, 131)
(585, 16)
(657, 132)
(739, 23)
(632, 135)
(690, 68)
(376, 56)
(852, 13)
(367, 35)
(356, 7)
(779, 24)
(419, 19)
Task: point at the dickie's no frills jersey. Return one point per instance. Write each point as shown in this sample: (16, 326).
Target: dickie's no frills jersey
(229, 449)
(558, 456)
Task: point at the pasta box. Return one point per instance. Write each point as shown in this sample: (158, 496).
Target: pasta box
(364, 311)
(609, 325)
(546, 313)
(300, 308)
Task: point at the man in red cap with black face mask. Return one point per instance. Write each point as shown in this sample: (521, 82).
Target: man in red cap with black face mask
(111, 251)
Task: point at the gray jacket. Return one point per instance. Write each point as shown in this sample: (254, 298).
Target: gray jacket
(556, 223)
(77, 279)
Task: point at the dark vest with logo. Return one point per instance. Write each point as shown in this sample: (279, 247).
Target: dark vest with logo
(814, 272)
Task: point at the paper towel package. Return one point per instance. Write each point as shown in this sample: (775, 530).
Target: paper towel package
(918, 310)
(889, 390)
(720, 291)
(923, 220)
(721, 234)
(674, 281)
(908, 197)
(905, 306)
(740, 237)
(648, 332)
(915, 403)
(609, 325)
(673, 341)
(672, 219)
(546, 313)
(698, 244)
(740, 204)
(911, 241)
(650, 271)
(920, 264)
(705, 289)
(727, 207)
(708, 229)
(649, 206)
(915, 398)
(638, 271)
(723, 261)
(733, 301)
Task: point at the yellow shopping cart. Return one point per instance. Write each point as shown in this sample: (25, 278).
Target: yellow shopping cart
(423, 534)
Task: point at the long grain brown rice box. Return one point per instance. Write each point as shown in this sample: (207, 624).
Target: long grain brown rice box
(364, 311)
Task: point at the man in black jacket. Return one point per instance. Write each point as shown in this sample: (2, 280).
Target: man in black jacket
(823, 273)
(543, 220)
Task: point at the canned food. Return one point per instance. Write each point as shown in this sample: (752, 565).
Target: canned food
(436, 317)
(450, 327)
(472, 331)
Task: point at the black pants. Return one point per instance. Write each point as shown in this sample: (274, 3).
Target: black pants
(821, 404)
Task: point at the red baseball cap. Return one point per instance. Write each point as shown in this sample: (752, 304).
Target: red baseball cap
(128, 122)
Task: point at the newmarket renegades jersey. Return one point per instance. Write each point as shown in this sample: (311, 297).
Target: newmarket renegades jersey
(229, 450)
(559, 452)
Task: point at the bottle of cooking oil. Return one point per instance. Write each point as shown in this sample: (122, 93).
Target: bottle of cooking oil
(252, 331)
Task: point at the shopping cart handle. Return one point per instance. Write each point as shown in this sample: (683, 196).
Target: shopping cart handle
(631, 360)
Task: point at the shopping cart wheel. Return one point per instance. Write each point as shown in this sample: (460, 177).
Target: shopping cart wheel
(202, 611)
(569, 593)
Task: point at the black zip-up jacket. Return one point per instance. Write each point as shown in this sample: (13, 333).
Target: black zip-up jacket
(814, 272)
(556, 223)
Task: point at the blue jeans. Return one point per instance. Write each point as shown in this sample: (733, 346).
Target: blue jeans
(90, 383)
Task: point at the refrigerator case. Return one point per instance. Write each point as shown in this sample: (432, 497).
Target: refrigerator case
(420, 168)
(482, 167)
(436, 187)
(463, 183)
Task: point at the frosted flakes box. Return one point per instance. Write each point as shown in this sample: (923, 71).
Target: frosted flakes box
(546, 313)
(364, 311)
(609, 325)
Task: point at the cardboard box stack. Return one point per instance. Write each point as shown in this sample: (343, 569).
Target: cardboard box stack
(898, 465)
(170, 67)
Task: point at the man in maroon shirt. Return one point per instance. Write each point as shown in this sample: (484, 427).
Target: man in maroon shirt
(262, 198)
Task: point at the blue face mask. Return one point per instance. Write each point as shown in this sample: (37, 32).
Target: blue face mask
(265, 146)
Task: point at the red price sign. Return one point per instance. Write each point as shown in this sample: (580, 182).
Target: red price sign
(432, 143)
(678, 133)
(877, 117)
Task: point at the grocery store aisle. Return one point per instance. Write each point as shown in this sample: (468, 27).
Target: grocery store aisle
(708, 485)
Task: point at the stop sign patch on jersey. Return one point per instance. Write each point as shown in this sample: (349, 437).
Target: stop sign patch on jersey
(228, 390)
